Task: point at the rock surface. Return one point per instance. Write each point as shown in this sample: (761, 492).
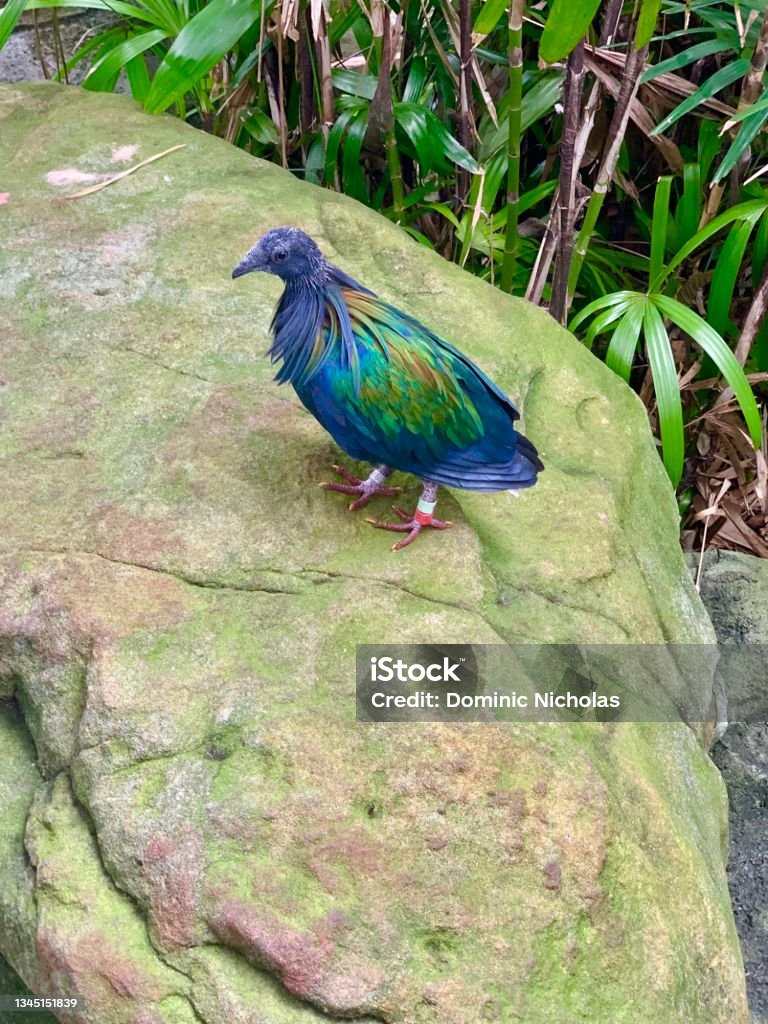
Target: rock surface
(734, 588)
(192, 825)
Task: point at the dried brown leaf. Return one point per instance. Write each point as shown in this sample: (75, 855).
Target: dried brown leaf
(123, 174)
(639, 115)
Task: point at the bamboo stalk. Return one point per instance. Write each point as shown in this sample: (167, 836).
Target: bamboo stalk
(39, 46)
(465, 92)
(753, 320)
(61, 57)
(323, 57)
(515, 59)
(751, 88)
(560, 300)
(381, 118)
(304, 48)
(393, 153)
(543, 262)
(630, 83)
(281, 98)
(545, 255)
(752, 85)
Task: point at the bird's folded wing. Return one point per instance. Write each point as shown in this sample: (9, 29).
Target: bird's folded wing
(417, 392)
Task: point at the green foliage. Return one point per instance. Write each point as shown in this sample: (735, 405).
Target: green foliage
(567, 23)
(9, 17)
(633, 315)
(716, 83)
(200, 44)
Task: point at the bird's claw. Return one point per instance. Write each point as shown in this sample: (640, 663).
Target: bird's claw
(355, 485)
(408, 524)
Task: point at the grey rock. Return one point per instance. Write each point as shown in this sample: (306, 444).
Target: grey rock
(734, 588)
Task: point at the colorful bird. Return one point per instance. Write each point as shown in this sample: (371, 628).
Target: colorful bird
(386, 388)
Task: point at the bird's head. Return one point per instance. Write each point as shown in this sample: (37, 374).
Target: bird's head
(286, 252)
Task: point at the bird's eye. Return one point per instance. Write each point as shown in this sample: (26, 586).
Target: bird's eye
(280, 255)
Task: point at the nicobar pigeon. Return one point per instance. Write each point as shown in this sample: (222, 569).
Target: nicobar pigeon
(387, 389)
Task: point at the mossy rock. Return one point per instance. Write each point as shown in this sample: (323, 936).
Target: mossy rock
(180, 605)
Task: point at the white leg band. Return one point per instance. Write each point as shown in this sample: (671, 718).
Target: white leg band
(427, 507)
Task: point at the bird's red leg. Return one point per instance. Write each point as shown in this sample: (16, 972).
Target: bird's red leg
(414, 524)
(366, 489)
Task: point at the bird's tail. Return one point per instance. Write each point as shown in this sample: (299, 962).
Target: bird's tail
(472, 470)
(526, 451)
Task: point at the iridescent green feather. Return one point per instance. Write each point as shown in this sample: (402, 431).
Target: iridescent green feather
(408, 380)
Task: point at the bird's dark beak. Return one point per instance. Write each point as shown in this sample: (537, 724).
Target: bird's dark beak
(249, 263)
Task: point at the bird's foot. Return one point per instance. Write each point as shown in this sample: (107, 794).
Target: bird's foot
(410, 524)
(366, 489)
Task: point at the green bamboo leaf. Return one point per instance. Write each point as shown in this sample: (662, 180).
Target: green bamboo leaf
(249, 62)
(623, 343)
(751, 210)
(334, 141)
(138, 78)
(420, 237)
(708, 145)
(313, 169)
(717, 350)
(260, 127)
(687, 32)
(431, 138)
(538, 101)
(9, 17)
(615, 258)
(363, 33)
(726, 272)
(566, 25)
(103, 75)
(489, 183)
(420, 193)
(759, 251)
(667, 391)
(535, 195)
(622, 299)
(342, 22)
(354, 83)
(413, 121)
(722, 78)
(750, 126)
(602, 322)
(693, 53)
(646, 22)
(201, 43)
(100, 42)
(488, 17)
(351, 168)
(444, 211)
(172, 13)
(417, 80)
(599, 282)
(495, 172)
(131, 11)
(689, 209)
(659, 226)
(745, 112)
